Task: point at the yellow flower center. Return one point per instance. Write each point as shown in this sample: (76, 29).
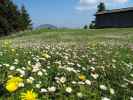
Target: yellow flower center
(82, 77)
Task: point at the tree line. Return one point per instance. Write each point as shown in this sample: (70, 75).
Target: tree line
(12, 18)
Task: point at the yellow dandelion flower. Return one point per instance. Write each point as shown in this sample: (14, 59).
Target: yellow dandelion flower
(82, 77)
(29, 95)
(11, 87)
(13, 83)
(15, 80)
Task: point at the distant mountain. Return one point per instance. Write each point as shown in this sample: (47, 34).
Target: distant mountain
(48, 26)
(63, 28)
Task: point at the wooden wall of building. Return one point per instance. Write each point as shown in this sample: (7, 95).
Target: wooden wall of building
(119, 19)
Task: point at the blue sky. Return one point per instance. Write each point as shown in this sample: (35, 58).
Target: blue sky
(67, 13)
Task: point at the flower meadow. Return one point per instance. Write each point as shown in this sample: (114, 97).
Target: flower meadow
(96, 72)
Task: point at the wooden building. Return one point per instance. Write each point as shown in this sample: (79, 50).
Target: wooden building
(115, 18)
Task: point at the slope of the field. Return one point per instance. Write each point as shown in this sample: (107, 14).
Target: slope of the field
(79, 37)
(67, 65)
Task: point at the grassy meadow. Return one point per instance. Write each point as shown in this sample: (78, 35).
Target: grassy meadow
(73, 36)
(67, 64)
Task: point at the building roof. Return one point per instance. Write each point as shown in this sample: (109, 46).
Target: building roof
(115, 11)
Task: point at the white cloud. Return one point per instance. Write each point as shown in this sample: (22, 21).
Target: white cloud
(86, 4)
(91, 4)
(120, 1)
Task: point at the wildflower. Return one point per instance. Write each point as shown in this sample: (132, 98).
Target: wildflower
(66, 57)
(93, 59)
(22, 72)
(95, 76)
(43, 90)
(92, 68)
(62, 79)
(79, 94)
(7, 65)
(83, 68)
(82, 77)
(112, 91)
(36, 67)
(52, 89)
(11, 87)
(29, 95)
(29, 62)
(16, 61)
(13, 50)
(68, 89)
(21, 84)
(38, 86)
(103, 87)
(131, 82)
(42, 59)
(131, 75)
(124, 85)
(74, 82)
(10, 76)
(44, 70)
(39, 73)
(12, 68)
(46, 55)
(113, 60)
(30, 80)
(70, 69)
(105, 98)
(88, 82)
(81, 83)
(131, 98)
(13, 84)
(78, 65)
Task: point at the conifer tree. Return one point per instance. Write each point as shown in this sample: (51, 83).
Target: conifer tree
(4, 25)
(101, 7)
(25, 18)
(13, 15)
(12, 19)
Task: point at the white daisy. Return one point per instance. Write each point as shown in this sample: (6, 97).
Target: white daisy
(68, 89)
(103, 87)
